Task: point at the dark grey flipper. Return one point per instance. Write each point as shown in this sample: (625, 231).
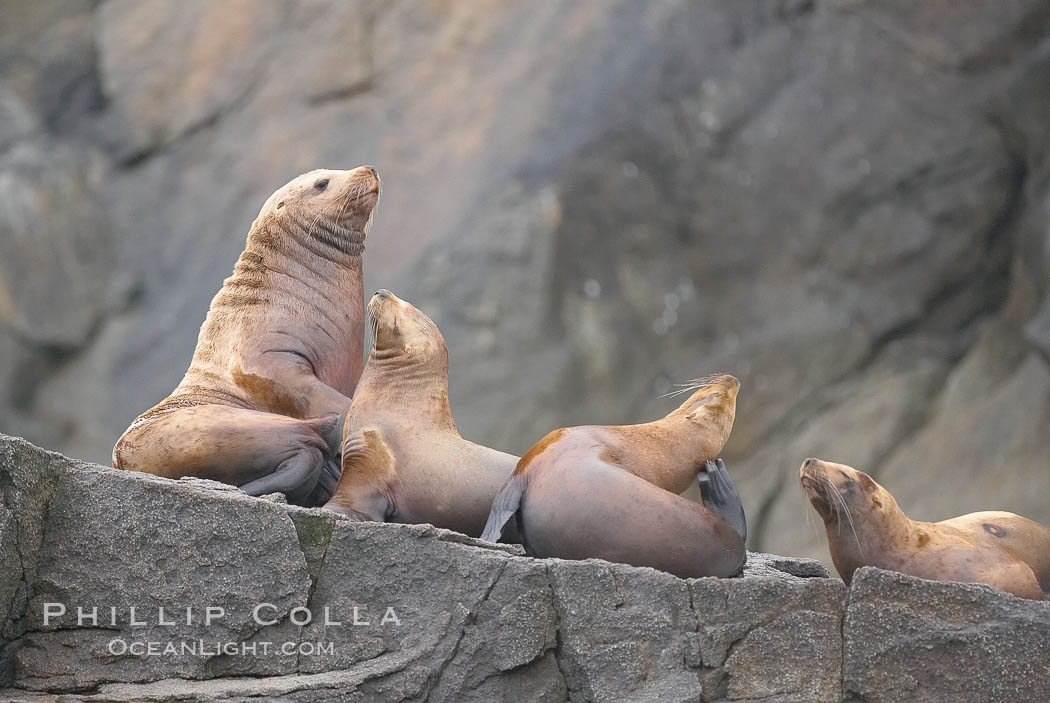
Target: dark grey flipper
(326, 484)
(504, 506)
(331, 429)
(720, 496)
(295, 477)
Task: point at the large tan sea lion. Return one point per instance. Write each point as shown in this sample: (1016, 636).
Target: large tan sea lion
(403, 457)
(866, 527)
(612, 492)
(279, 354)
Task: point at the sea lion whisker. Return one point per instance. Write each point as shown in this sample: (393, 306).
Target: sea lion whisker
(849, 515)
(374, 329)
(371, 216)
(312, 224)
(675, 393)
(807, 515)
(372, 317)
(826, 488)
(693, 385)
(343, 209)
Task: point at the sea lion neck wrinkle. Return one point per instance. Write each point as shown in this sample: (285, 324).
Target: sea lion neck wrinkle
(323, 230)
(320, 235)
(325, 302)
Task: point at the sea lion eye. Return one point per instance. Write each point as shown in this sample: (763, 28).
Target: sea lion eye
(280, 205)
(321, 184)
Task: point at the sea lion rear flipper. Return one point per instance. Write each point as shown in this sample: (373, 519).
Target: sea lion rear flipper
(326, 483)
(295, 477)
(720, 496)
(330, 427)
(504, 506)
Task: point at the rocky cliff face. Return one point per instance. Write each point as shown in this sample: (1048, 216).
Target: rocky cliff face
(845, 204)
(373, 612)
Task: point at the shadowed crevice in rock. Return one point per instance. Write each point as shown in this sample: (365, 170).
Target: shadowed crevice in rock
(28, 480)
(469, 618)
(574, 687)
(313, 528)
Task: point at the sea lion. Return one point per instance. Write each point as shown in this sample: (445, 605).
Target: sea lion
(279, 353)
(611, 492)
(403, 457)
(866, 527)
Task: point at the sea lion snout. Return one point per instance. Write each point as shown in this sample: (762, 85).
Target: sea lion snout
(827, 483)
(365, 178)
(815, 484)
(725, 388)
(810, 471)
(732, 382)
(726, 385)
(360, 191)
(833, 475)
(378, 302)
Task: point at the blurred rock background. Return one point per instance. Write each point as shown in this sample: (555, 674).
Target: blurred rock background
(844, 203)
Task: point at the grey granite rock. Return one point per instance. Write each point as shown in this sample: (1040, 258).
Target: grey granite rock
(123, 540)
(907, 639)
(624, 632)
(774, 565)
(367, 612)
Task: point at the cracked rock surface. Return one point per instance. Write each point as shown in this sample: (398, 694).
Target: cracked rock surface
(414, 613)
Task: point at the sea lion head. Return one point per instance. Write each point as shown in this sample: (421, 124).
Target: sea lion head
(327, 202)
(837, 491)
(401, 329)
(712, 406)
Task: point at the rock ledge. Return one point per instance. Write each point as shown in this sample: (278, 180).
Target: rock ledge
(407, 612)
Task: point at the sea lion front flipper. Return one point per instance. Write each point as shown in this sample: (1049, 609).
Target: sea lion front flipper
(368, 475)
(720, 496)
(504, 506)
